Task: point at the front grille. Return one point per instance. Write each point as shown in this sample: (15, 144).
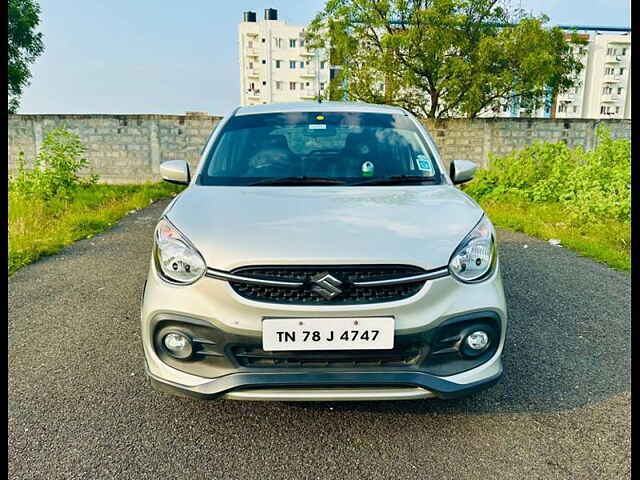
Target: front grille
(400, 356)
(350, 294)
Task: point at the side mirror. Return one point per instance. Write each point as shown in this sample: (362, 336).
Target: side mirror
(462, 171)
(175, 171)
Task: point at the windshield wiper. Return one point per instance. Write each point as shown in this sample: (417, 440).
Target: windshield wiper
(299, 181)
(396, 179)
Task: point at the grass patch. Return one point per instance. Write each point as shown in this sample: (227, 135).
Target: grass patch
(39, 227)
(607, 240)
(548, 190)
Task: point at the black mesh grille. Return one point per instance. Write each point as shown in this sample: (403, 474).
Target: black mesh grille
(347, 275)
(400, 356)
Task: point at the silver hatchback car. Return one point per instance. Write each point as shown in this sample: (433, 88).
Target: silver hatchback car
(322, 252)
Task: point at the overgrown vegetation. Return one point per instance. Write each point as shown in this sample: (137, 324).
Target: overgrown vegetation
(549, 190)
(51, 206)
(55, 170)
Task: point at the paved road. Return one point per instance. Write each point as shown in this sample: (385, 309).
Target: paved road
(80, 407)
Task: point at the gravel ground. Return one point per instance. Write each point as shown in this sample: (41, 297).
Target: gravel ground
(80, 405)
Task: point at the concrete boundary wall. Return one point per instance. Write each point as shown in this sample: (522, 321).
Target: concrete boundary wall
(120, 148)
(130, 148)
(476, 139)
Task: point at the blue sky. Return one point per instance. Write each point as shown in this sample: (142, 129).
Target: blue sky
(162, 56)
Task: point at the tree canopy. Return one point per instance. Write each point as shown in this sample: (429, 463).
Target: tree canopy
(25, 45)
(442, 58)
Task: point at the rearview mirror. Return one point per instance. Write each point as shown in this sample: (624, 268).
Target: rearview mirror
(175, 171)
(462, 171)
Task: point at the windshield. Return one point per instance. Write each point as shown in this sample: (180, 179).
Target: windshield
(334, 147)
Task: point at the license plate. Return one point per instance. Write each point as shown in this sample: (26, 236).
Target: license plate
(353, 333)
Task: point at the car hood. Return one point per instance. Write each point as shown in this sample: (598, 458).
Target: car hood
(237, 226)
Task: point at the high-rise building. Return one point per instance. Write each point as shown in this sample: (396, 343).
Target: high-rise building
(275, 64)
(604, 86)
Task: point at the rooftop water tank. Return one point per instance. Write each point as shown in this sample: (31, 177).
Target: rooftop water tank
(249, 16)
(270, 14)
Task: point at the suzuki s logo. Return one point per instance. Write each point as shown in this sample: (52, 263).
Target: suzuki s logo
(326, 285)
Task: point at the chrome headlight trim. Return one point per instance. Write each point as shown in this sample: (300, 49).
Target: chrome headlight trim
(431, 275)
(230, 277)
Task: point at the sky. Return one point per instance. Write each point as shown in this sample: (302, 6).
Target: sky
(162, 56)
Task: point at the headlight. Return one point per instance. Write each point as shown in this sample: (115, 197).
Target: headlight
(176, 259)
(475, 257)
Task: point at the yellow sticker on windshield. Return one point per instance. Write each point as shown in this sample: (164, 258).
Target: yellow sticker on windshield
(320, 117)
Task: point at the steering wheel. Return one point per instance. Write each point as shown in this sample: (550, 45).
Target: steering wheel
(271, 162)
(335, 150)
(269, 170)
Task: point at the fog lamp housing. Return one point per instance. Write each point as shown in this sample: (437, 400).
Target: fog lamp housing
(478, 340)
(178, 345)
(475, 343)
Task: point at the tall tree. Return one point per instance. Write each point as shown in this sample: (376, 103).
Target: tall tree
(442, 58)
(25, 45)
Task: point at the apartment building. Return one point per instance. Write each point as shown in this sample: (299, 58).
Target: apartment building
(275, 64)
(570, 104)
(604, 87)
(513, 108)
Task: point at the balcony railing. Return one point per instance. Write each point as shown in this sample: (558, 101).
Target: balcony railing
(612, 78)
(308, 93)
(308, 72)
(610, 97)
(252, 73)
(252, 52)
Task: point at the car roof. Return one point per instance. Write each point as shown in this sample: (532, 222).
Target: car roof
(356, 107)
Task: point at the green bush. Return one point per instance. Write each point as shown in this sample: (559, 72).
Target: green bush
(40, 227)
(589, 185)
(55, 170)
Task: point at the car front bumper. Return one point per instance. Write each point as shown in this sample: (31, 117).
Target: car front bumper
(212, 304)
(327, 386)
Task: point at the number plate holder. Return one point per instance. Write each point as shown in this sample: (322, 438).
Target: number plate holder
(293, 334)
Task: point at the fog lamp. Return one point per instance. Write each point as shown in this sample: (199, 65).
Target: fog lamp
(178, 345)
(477, 340)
